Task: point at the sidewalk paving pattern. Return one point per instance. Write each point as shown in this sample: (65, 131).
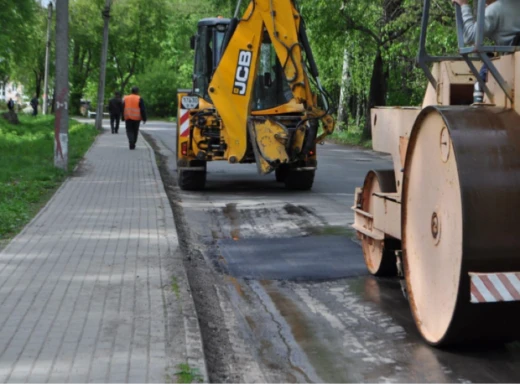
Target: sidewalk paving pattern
(88, 290)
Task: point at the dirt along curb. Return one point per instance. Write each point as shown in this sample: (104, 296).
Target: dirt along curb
(195, 359)
(204, 282)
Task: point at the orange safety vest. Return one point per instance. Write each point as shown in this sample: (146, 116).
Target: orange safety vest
(132, 110)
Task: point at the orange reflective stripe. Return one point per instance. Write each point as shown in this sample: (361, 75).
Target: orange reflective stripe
(132, 110)
(132, 114)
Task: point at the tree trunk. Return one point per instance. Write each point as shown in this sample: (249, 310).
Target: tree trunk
(359, 102)
(61, 128)
(53, 100)
(124, 83)
(11, 117)
(377, 95)
(103, 67)
(75, 101)
(38, 79)
(343, 106)
(45, 105)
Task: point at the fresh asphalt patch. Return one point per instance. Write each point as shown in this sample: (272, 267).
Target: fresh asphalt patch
(311, 258)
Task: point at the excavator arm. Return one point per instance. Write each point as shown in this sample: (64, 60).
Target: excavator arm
(231, 87)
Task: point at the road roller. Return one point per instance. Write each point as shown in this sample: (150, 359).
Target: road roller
(446, 217)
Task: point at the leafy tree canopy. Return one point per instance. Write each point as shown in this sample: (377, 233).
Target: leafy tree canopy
(365, 49)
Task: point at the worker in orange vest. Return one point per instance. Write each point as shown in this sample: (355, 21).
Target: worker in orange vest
(133, 113)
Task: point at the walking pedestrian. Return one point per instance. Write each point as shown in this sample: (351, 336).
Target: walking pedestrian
(134, 113)
(115, 109)
(10, 104)
(34, 105)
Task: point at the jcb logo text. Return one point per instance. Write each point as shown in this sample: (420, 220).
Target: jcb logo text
(242, 74)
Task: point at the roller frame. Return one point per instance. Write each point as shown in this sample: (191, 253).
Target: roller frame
(392, 128)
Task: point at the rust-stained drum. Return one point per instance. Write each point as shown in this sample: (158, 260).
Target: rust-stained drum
(379, 256)
(461, 215)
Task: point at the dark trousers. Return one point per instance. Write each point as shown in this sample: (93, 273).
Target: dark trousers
(484, 73)
(35, 111)
(114, 122)
(132, 130)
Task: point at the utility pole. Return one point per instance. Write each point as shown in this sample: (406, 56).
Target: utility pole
(61, 125)
(103, 68)
(47, 57)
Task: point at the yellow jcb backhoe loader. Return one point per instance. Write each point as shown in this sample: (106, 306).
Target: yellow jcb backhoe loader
(251, 100)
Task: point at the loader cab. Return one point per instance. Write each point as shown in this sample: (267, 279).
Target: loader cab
(213, 34)
(207, 44)
(271, 87)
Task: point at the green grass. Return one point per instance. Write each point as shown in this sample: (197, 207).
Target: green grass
(352, 136)
(175, 287)
(186, 374)
(29, 178)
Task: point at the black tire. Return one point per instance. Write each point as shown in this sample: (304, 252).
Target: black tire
(192, 180)
(299, 180)
(281, 173)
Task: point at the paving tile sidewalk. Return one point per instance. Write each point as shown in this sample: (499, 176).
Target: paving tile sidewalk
(93, 289)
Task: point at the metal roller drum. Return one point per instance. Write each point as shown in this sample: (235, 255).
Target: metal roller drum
(379, 254)
(461, 224)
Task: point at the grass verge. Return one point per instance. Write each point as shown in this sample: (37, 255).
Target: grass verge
(29, 178)
(187, 374)
(175, 287)
(352, 136)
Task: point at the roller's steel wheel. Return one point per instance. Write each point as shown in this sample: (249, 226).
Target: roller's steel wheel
(379, 255)
(461, 214)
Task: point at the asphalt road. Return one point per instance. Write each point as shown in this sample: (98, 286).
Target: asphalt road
(294, 301)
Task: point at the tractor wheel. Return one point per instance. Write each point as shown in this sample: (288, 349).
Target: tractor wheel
(299, 180)
(192, 180)
(281, 173)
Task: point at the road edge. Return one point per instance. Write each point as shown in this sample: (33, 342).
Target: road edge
(194, 345)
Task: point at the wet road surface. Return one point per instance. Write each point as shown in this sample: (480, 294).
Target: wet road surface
(295, 300)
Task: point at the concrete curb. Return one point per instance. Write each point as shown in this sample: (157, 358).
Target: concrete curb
(194, 344)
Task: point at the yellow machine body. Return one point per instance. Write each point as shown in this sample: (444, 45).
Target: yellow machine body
(223, 125)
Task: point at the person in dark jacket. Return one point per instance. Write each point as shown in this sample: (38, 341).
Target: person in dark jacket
(115, 109)
(34, 105)
(10, 104)
(134, 113)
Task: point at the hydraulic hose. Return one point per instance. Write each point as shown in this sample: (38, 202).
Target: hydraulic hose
(312, 133)
(307, 48)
